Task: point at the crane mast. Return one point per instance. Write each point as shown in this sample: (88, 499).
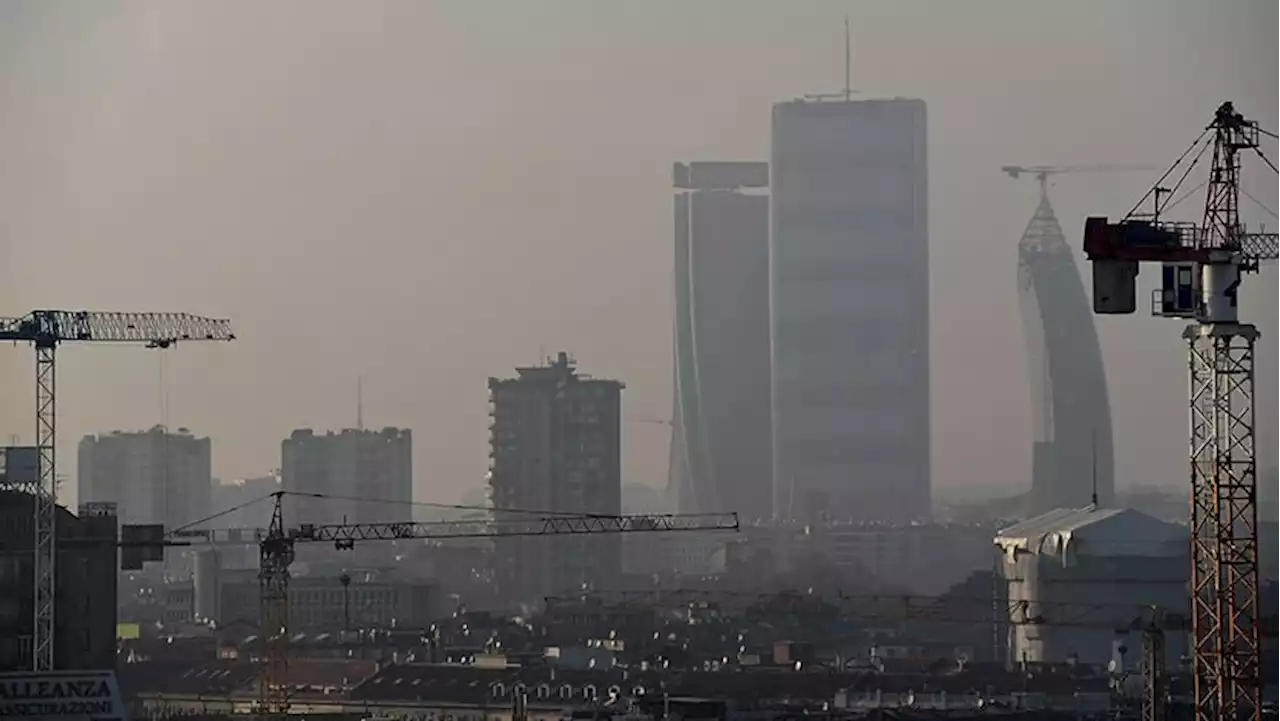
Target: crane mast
(46, 330)
(1203, 265)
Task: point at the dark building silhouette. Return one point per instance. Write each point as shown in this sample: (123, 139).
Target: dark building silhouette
(850, 310)
(555, 446)
(85, 585)
(1072, 446)
(721, 455)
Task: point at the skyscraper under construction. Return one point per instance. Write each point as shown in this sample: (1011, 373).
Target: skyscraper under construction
(1072, 451)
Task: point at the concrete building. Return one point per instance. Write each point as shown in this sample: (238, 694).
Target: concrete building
(316, 603)
(555, 445)
(721, 456)
(1121, 560)
(850, 310)
(924, 558)
(375, 467)
(918, 558)
(154, 476)
(85, 598)
(1071, 413)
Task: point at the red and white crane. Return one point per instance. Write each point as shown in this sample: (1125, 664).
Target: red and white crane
(1203, 265)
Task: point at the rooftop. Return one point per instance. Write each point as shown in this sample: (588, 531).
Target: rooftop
(1093, 531)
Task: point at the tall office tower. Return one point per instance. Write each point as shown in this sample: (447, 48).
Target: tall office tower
(720, 445)
(1071, 449)
(555, 445)
(152, 476)
(850, 309)
(367, 474)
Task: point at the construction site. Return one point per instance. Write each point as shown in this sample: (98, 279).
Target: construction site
(311, 595)
(1088, 611)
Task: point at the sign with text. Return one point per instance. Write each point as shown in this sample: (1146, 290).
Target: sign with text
(61, 696)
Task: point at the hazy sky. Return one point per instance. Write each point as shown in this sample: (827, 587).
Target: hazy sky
(429, 193)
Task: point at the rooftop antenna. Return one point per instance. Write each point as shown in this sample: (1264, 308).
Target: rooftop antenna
(359, 403)
(846, 93)
(1093, 462)
(848, 89)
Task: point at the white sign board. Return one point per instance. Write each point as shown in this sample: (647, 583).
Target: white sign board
(61, 696)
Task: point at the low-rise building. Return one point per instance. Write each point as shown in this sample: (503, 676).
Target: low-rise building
(1115, 562)
(85, 598)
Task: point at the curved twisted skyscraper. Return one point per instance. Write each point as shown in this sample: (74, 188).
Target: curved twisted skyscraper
(1071, 448)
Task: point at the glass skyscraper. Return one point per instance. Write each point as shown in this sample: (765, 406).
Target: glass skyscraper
(850, 310)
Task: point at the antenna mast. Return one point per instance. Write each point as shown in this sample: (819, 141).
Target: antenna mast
(848, 88)
(1093, 461)
(359, 403)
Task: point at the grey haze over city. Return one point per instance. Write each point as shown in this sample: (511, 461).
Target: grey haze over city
(427, 194)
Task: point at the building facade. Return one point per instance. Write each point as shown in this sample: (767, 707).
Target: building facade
(850, 310)
(1072, 454)
(555, 446)
(368, 476)
(241, 494)
(85, 598)
(154, 476)
(721, 457)
(1108, 567)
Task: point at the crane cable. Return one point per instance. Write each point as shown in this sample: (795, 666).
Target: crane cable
(327, 496)
(1271, 165)
(1258, 203)
(1172, 168)
(446, 506)
(219, 514)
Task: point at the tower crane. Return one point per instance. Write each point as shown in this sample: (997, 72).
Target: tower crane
(46, 330)
(1203, 265)
(1042, 172)
(276, 553)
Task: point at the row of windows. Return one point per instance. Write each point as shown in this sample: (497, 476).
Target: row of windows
(844, 459)
(858, 224)
(868, 303)
(851, 265)
(852, 340)
(859, 425)
(850, 389)
(829, 364)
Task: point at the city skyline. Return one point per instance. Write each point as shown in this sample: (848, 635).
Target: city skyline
(102, 175)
